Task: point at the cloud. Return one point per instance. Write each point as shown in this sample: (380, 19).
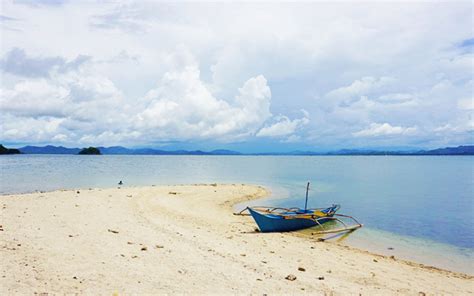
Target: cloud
(31, 129)
(4, 19)
(61, 107)
(396, 98)
(449, 128)
(81, 106)
(126, 72)
(17, 62)
(39, 3)
(360, 87)
(34, 98)
(183, 107)
(130, 18)
(6, 22)
(283, 127)
(385, 129)
(466, 104)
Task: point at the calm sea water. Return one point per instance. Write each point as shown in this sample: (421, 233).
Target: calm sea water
(422, 207)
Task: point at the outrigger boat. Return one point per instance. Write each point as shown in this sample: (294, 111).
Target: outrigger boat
(272, 219)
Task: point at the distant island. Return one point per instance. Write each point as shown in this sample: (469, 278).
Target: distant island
(90, 151)
(4, 150)
(119, 150)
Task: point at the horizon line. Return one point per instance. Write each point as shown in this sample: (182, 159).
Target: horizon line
(224, 151)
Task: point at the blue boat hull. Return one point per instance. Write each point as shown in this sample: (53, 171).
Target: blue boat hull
(275, 223)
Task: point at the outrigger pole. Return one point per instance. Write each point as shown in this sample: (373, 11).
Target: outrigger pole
(306, 202)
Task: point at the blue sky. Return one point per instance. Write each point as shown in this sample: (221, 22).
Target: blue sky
(248, 76)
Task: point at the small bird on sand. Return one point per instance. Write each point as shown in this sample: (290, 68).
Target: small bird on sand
(120, 183)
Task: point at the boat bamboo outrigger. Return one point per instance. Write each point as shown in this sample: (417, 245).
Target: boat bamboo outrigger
(275, 219)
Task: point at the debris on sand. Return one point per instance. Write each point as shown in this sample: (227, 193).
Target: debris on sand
(113, 231)
(290, 277)
(301, 268)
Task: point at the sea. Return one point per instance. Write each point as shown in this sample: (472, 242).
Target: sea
(418, 208)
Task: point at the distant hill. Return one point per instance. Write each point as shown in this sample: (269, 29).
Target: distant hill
(151, 151)
(49, 150)
(119, 150)
(460, 150)
(115, 150)
(4, 150)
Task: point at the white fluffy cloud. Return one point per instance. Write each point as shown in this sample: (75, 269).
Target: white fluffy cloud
(182, 107)
(360, 87)
(80, 106)
(63, 107)
(284, 127)
(385, 129)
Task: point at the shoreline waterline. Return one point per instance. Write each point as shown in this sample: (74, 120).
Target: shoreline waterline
(191, 231)
(373, 242)
(378, 242)
(168, 238)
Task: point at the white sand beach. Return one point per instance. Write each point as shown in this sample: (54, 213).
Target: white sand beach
(184, 239)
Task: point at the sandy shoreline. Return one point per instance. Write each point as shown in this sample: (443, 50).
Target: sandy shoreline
(184, 239)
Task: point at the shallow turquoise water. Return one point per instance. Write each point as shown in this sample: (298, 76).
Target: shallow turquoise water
(427, 200)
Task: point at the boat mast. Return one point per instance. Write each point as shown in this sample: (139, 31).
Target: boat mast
(306, 202)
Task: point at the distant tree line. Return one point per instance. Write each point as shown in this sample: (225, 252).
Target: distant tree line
(90, 151)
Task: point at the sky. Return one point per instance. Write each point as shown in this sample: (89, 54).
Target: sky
(246, 76)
